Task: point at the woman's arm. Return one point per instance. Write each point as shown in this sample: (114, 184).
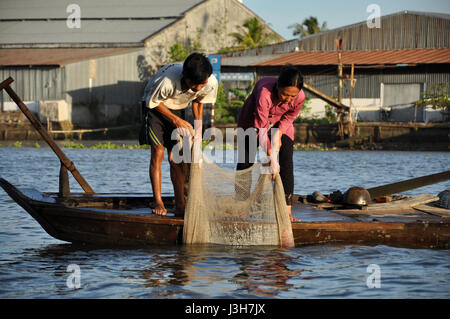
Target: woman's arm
(288, 118)
(261, 121)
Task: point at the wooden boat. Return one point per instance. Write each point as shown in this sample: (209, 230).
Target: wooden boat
(125, 219)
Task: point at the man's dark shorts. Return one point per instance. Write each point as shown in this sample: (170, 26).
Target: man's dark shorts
(156, 129)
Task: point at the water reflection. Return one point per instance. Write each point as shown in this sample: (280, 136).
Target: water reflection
(183, 269)
(236, 271)
(266, 274)
(165, 273)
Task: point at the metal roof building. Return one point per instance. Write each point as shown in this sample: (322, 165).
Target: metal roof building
(394, 64)
(360, 58)
(111, 22)
(88, 61)
(402, 30)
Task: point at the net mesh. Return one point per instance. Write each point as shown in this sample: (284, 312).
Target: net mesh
(226, 206)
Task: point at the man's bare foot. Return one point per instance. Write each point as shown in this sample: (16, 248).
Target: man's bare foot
(159, 209)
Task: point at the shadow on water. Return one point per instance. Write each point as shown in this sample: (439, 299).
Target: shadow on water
(231, 272)
(197, 271)
(215, 271)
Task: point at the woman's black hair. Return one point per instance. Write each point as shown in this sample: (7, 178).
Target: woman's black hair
(197, 68)
(290, 76)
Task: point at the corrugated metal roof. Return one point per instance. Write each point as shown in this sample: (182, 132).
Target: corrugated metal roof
(401, 30)
(10, 57)
(275, 48)
(102, 21)
(401, 14)
(247, 60)
(374, 57)
(426, 14)
(54, 9)
(100, 31)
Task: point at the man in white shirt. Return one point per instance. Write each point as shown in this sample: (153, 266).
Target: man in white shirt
(166, 95)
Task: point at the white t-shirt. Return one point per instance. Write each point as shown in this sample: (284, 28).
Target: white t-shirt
(165, 87)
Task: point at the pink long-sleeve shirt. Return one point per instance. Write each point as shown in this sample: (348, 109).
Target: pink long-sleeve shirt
(260, 110)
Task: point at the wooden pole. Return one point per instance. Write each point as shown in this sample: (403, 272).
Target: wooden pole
(350, 116)
(339, 48)
(38, 126)
(340, 76)
(408, 184)
(64, 186)
(325, 97)
(6, 83)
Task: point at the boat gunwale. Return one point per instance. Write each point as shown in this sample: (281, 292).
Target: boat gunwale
(431, 234)
(87, 213)
(58, 208)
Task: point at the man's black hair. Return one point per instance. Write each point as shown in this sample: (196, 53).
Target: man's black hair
(290, 76)
(197, 68)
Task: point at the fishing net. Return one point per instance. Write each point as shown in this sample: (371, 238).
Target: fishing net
(226, 206)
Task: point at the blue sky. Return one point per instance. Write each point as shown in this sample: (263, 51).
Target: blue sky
(337, 13)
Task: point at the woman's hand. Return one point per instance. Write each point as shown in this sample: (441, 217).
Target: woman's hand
(275, 168)
(271, 162)
(279, 140)
(276, 144)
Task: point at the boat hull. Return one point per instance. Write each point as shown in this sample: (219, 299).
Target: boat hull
(126, 220)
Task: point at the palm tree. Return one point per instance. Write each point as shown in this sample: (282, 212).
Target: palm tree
(253, 34)
(307, 27)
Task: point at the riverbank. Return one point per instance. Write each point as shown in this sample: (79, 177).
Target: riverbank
(74, 144)
(371, 136)
(367, 136)
(133, 145)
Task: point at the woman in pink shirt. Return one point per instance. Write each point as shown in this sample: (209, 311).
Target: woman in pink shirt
(274, 103)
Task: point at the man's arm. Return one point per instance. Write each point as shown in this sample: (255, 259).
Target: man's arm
(197, 110)
(177, 121)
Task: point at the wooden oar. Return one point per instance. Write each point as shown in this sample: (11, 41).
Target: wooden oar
(408, 184)
(63, 158)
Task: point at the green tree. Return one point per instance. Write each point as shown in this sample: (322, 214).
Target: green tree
(307, 27)
(437, 96)
(178, 52)
(253, 34)
(221, 114)
(228, 112)
(330, 114)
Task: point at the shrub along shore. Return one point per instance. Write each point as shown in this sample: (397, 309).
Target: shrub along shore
(130, 146)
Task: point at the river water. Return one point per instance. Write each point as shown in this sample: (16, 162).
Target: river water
(35, 265)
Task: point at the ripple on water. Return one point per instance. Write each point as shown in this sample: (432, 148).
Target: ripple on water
(34, 265)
